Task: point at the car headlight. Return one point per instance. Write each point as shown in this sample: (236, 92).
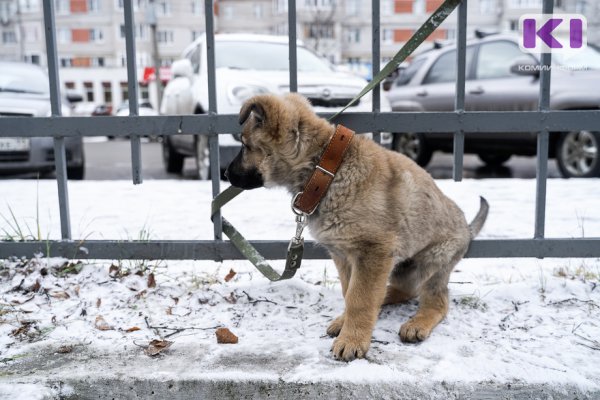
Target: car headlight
(240, 93)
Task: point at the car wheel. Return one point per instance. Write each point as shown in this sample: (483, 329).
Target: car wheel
(76, 173)
(202, 157)
(494, 160)
(578, 154)
(413, 146)
(172, 160)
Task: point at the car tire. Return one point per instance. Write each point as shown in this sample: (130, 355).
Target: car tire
(172, 160)
(202, 157)
(76, 173)
(494, 160)
(578, 154)
(413, 146)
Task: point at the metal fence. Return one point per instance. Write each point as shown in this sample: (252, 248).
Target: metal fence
(460, 122)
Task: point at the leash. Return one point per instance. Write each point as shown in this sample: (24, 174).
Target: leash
(296, 246)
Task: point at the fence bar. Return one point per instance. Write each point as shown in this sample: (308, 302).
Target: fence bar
(293, 46)
(459, 100)
(213, 139)
(132, 82)
(275, 250)
(543, 139)
(376, 50)
(60, 154)
(426, 122)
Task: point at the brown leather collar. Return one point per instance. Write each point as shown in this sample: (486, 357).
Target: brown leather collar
(308, 199)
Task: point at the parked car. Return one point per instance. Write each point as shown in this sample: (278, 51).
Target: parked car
(102, 110)
(144, 109)
(500, 77)
(24, 92)
(247, 65)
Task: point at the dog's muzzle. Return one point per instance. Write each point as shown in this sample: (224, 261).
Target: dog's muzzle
(244, 178)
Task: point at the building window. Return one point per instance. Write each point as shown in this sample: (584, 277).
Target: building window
(29, 6)
(124, 91)
(387, 7)
(281, 6)
(581, 6)
(98, 62)
(258, 11)
(228, 12)
(144, 92)
(96, 35)
(66, 62)
(353, 35)
(93, 6)
(88, 88)
(33, 59)
(63, 7)
(165, 36)
(107, 92)
(163, 7)
(419, 7)
(352, 7)
(487, 7)
(64, 35)
(387, 36)
(197, 7)
(320, 31)
(9, 37)
(140, 31)
(196, 35)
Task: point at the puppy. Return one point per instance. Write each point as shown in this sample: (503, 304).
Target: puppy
(392, 234)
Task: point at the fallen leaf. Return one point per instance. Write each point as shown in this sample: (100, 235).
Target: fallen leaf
(151, 281)
(76, 289)
(35, 287)
(98, 302)
(59, 295)
(169, 310)
(101, 324)
(225, 336)
(231, 299)
(65, 349)
(113, 271)
(230, 275)
(156, 346)
(132, 329)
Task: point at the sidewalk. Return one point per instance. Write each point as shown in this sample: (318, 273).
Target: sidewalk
(517, 328)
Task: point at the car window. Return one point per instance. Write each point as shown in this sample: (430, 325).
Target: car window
(406, 75)
(194, 57)
(16, 78)
(263, 56)
(444, 68)
(496, 58)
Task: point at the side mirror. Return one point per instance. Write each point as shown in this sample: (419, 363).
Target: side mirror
(74, 97)
(182, 68)
(525, 67)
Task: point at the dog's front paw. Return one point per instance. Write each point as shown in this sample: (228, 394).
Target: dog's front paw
(336, 326)
(414, 330)
(347, 348)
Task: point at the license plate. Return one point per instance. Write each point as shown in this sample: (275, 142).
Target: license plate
(14, 144)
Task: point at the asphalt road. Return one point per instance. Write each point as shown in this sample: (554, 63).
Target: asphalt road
(106, 160)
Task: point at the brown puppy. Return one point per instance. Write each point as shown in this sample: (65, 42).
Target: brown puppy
(392, 234)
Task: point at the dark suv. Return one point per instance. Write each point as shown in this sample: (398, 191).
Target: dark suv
(500, 77)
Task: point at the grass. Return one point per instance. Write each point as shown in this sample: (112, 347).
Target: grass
(582, 272)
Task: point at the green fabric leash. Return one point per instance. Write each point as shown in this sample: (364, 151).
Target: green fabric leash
(296, 247)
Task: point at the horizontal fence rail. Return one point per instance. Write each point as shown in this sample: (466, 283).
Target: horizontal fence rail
(542, 122)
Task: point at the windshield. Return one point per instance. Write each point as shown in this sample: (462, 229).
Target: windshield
(265, 57)
(588, 58)
(20, 78)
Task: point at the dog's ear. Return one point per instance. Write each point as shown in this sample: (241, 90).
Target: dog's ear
(252, 107)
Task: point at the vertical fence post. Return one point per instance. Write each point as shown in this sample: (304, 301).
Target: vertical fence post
(60, 156)
(543, 139)
(376, 61)
(213, 138)
(136, 153)
(293, 46)
(459, 100)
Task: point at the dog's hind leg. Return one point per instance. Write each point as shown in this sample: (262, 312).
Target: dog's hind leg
(344, 272)
(403, 283)
(437, 261)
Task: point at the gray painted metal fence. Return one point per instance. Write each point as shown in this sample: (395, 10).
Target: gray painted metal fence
(461, 123)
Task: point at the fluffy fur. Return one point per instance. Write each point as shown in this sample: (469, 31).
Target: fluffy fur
(392, 234)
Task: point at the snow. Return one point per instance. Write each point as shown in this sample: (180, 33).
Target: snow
(510, 320)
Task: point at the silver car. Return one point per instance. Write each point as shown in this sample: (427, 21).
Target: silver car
(500, 77)
(24, 92)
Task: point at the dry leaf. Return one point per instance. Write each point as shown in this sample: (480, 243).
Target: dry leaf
(169, 310)
(98, 302)
(151, 281)
(114, 271)
(132, 329)
(102, 325)
(156, 346)
(35, 287)
(230, 275)
(60, 295)
(76, 289)
(65, 349)
(225, 336)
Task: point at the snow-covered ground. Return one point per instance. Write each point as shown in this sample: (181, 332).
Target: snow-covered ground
(511, 320)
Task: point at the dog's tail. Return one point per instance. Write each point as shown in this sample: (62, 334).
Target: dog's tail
(477, 223)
